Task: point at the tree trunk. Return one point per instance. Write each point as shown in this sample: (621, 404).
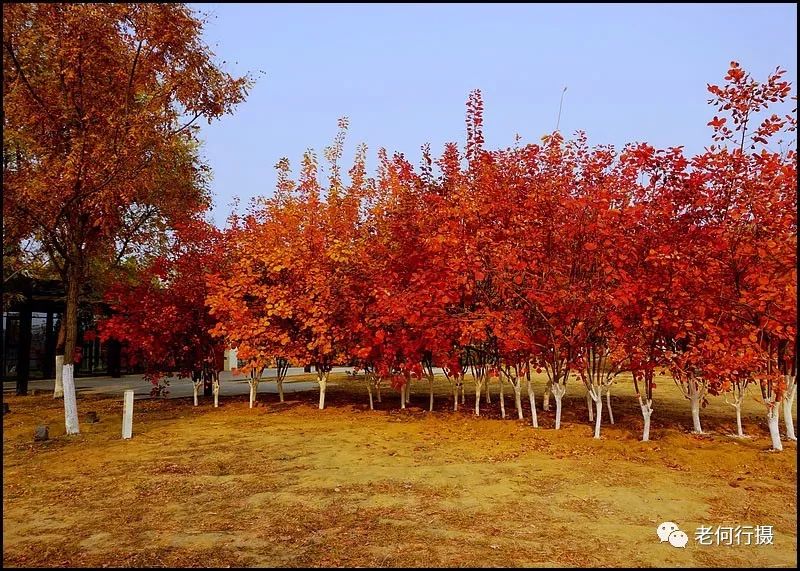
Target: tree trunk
(488, 392)
(502, 399)
(773, 420)
(558, 393)
(608, 405)
(58, 390)
(70, 405)
(532, 399)
(739, 431)
(518, 399)
(369, 390)
(196, 389)
(322, 379)
(694, 399)
(215, 387)
(430, 388)
(280, 389)
(463, 392)
(253, 391)
(599, 412)
(546, 396)
(378, 386)
(70, 341)
(478, 386)
(589, 406)
(647, 411)
(455, 396)
(788, 403)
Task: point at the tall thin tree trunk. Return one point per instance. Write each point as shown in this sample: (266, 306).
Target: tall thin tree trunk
(788, 403)
(608, 405)
(430, 388)
(532, 399)
(518, 398)
(739, 431)
(599, 411)
(589, 404)
(369, 390)
(546, 397)
(478, 386)
(215, 387)
(58, 389)
(694, 399)
(558, 393)
(773, 420)
(74, 276)
(502, 399)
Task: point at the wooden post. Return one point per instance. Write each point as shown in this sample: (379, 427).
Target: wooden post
(127, 415)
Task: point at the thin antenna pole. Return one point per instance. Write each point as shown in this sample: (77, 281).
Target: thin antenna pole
(558, 122)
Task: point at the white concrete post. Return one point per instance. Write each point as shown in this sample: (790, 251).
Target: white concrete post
(127, 415)
(70, 404)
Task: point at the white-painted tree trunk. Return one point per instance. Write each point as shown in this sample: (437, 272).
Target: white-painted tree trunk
(739, 431)
(608, 405)
(196, 388)
(253, 391)
(589, 403)
(518, 399)
(280, 389)
(455, 397)
(788, 403)
(532, 399)
(430, 388)
(695, 396)
(478, 386)
(369, 390)
(463, 392)
(773, 421)
(546, 396)
(558, 392)
(502, 399)
(58, 390)
(70, 404)
(322, 379)
(215, 390)
(647, 411)
(403, 397)
(598, 402)
(378, 387)
(488, 392)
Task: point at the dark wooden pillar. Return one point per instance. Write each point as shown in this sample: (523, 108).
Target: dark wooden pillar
(24, 349)
(48, 364)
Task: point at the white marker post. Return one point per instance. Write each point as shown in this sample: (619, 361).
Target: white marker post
(70, 405)
(127, 415)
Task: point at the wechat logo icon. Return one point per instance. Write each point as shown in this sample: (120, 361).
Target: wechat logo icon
(669, 531)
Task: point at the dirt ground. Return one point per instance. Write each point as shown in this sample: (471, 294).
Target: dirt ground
(290, 485)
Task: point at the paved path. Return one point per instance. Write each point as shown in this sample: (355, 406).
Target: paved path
(230, 384)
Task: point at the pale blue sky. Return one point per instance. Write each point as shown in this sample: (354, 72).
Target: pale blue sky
(402, 73)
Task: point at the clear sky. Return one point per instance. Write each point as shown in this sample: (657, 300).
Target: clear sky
(402, 72)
